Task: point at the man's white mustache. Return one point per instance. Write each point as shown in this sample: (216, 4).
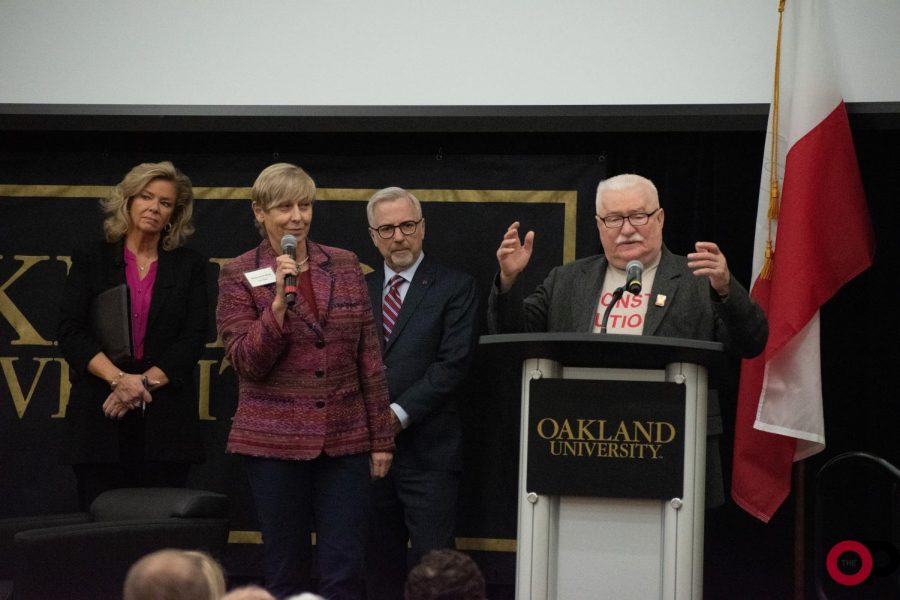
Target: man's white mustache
(634, 237)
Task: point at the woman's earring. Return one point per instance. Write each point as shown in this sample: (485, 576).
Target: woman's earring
(168, 227)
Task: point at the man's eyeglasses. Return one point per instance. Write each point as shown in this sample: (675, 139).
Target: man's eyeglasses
(636, 219)
(386, 232)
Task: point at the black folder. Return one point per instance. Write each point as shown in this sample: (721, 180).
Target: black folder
(111, 322)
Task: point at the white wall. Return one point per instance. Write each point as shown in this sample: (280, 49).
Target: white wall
(422, 52)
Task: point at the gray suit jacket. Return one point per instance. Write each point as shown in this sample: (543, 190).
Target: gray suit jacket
(567, 300)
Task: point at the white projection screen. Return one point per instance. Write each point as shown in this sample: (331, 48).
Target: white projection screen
(421, 53)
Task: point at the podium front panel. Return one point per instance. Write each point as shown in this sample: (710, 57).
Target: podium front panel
(572, 547)
(610, 438)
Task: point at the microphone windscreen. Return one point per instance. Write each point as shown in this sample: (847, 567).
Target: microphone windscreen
(634, 267)
(634, 271)
(288, 241)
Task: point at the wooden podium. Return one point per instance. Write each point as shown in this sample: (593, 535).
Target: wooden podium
(609, 545)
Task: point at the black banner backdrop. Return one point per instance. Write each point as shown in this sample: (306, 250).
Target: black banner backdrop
(709, 185)
(49, 205)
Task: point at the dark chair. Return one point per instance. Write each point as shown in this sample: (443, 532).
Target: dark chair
(857, 520)
(87, 555)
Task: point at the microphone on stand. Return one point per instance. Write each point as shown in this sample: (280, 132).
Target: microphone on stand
(634, 270)
(289, 247)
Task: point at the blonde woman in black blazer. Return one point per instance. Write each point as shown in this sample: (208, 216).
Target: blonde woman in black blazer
(133, 422)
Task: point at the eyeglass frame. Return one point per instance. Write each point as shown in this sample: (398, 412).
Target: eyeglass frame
(627, 218)
(394, 228)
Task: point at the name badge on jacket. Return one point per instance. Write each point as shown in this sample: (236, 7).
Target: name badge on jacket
(260, 277)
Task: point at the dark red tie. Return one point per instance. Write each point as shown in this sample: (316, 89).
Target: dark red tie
(391, 305)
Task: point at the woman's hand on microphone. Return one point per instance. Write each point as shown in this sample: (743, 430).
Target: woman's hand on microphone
(284, 266)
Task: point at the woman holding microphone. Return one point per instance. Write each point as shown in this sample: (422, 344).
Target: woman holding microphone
(312, 420)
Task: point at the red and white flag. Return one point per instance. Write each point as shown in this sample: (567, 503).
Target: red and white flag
(822, 238)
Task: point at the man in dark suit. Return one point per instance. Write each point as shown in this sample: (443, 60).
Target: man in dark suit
(692, 297)
(430, 323)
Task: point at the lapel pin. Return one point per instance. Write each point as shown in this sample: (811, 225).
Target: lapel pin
(660, 300)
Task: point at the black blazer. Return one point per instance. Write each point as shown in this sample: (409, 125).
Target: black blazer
(176, 332)
(427, 356)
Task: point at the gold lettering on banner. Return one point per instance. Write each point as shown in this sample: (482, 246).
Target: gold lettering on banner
(669, 435)
(65, 389)
(205, 367)
(642, 432)
(218, 343)
(28, 335)
(66, 260)
(605, 449)
(592, 438)
(541, 428)
(20, 400)
(584, 432)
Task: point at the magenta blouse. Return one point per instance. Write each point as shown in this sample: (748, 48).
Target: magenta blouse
(141, 291)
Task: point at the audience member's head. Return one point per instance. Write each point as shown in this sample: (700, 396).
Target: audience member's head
(445, 575)
(175, 575)
(248, 592)
(306, 596)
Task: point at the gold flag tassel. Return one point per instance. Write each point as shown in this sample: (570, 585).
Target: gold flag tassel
(766, 271)
(774, 191)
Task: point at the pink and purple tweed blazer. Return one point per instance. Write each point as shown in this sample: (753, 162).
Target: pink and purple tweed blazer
(311, 386)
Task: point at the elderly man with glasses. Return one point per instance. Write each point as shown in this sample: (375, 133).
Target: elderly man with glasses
(693, 297)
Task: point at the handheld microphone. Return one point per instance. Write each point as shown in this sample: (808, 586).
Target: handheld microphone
(289, 247)
(634, 270)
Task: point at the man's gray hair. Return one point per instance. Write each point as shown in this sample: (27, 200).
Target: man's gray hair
(624, 182)
(387, 194)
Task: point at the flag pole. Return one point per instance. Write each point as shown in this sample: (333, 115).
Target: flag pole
(799, 470)
(799, 488)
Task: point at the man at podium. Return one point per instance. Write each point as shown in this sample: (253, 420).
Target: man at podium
(693, 297)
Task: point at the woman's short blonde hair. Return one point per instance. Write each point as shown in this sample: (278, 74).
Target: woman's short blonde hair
(278, 182)
(117, 205)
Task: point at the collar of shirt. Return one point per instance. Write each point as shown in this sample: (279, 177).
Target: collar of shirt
(407, 274)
